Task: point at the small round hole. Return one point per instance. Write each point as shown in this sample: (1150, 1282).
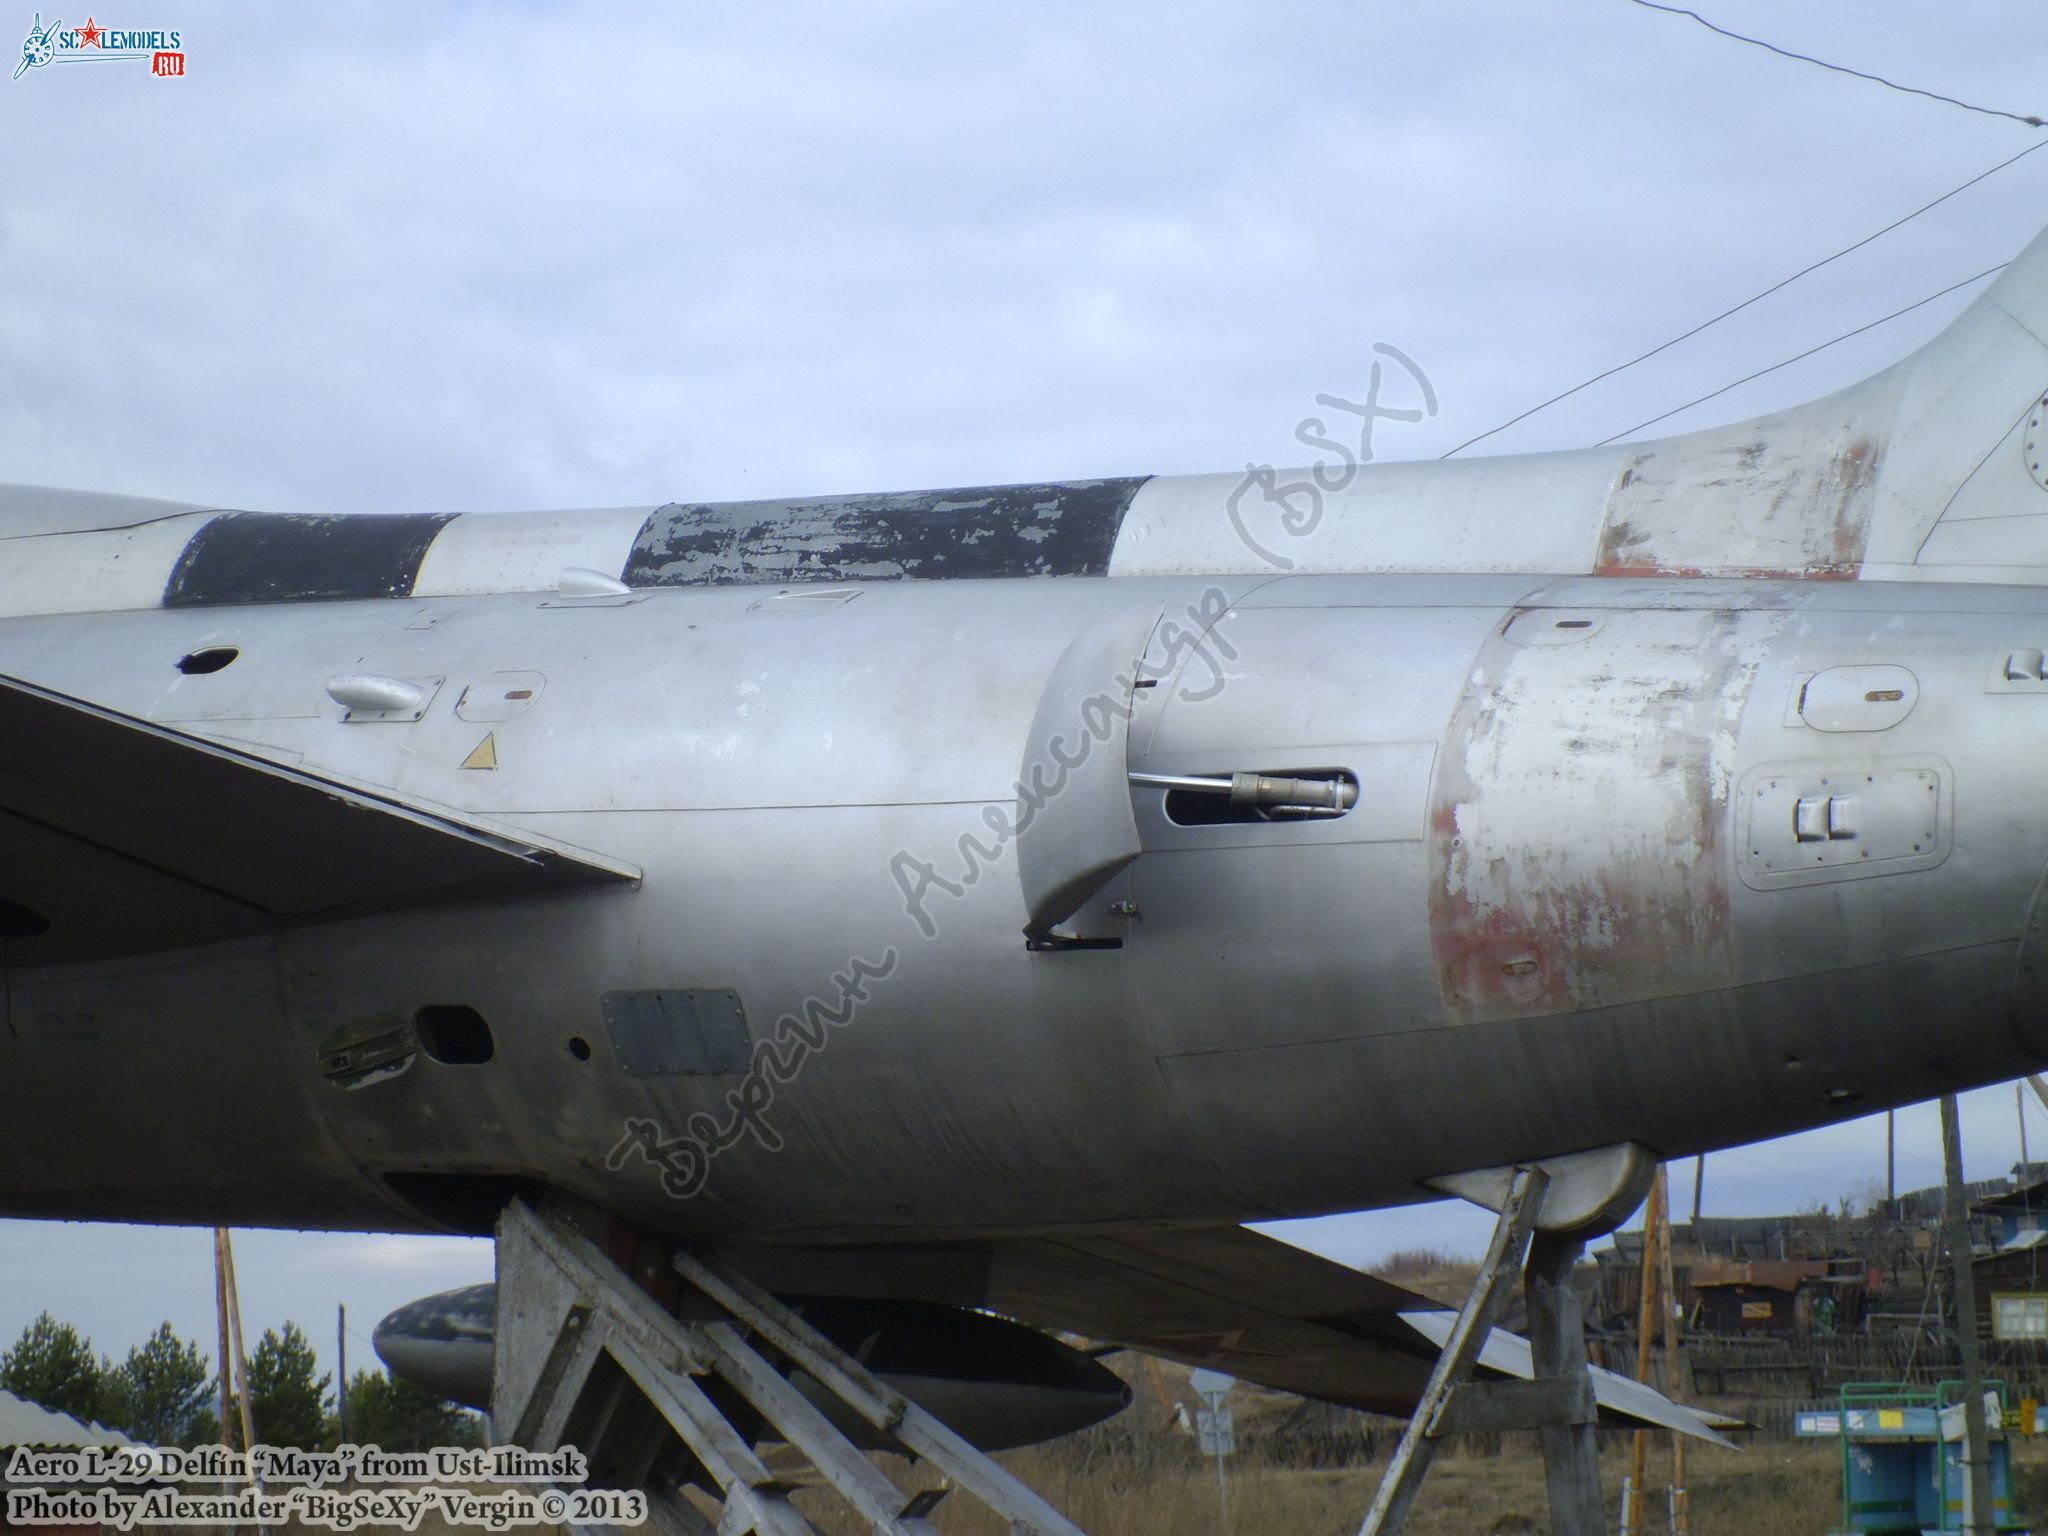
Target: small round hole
(579, 1048)
(210, 659)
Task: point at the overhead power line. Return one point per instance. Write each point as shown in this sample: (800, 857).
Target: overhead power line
(1840, 69)
(1788, 362)
(1737, 309)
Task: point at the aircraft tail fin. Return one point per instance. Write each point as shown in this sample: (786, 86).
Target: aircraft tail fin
(1933, 469)
(1926, 471)
(1965, 482)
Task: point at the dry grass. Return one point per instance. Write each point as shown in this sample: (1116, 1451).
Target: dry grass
(1766, 1490)
(1441, 1276)
(1136, 1476)
(1164, 1490)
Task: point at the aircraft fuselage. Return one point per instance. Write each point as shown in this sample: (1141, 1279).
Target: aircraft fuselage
(1680, 862)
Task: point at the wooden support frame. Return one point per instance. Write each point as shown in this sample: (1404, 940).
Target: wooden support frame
(1460, 1353)
(586, 1356)
(1559, 1402)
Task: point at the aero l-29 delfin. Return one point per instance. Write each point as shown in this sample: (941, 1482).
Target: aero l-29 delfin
(974, 902)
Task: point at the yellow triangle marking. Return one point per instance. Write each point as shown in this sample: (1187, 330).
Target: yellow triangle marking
(485, 755)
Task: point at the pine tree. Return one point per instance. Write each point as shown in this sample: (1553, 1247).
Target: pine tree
(52, 1365)
(398, 1416)
(160, 1392)
(287, 1402)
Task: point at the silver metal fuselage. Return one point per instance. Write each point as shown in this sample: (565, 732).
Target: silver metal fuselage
(1572, 906)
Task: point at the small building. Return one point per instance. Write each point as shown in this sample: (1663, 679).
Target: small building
(2012, 1289)
(23, 1423)
(1762, 1296)
(2017, 1212)
(27, 1425)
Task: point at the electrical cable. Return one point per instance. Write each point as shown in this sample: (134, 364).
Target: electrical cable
(1840, 69)
(1809, 352)
(1753, 298)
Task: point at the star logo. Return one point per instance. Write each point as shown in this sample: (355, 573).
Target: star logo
(89, 35)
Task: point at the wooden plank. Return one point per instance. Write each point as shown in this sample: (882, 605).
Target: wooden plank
(1492, 1407)
(888, 1410)
(1489, 1293)
(746, 1485)
(841, 1375)
(856, 1479)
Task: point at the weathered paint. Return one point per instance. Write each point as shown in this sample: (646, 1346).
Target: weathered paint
(1065, 529)
(1777, 498)
(1919, 473)
(264, 557)
(1581, 814)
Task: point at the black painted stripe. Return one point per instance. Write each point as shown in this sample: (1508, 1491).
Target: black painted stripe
(1062, 529)
(269, 557)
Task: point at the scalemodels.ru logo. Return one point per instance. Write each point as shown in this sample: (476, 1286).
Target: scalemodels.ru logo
(92, 43)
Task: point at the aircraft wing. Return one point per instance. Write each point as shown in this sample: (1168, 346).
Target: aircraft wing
(119, 836)
(1264, 1311)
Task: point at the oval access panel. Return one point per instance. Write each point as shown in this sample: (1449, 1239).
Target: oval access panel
(499, 696)
(1858, 698)
(1552, 626)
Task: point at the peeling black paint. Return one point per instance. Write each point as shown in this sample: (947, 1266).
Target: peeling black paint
(267, 557)
(1063, 529)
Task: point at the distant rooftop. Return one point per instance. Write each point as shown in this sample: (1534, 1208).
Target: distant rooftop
(23, 1423)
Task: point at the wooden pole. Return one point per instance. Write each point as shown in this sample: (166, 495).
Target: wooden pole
(227, 1349)
(1632, 1485)
(1977, 1511)
(1891, 1165)
(227, 1252)
(1675, 1384)
(226, 1356)
(2019, 1104)
(341, 1368)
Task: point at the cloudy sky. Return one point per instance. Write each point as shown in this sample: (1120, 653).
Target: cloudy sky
(385, 257)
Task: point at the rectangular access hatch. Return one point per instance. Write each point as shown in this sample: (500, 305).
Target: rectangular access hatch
(1801, 825)
(678, 1031)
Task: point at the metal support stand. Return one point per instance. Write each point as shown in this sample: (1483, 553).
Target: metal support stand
(1557, 1345)
(1559, 1401)
(587, 1358)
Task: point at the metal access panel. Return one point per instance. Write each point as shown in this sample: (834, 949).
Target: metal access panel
(1802, 825)
(1076, 829)
(678, 1032)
